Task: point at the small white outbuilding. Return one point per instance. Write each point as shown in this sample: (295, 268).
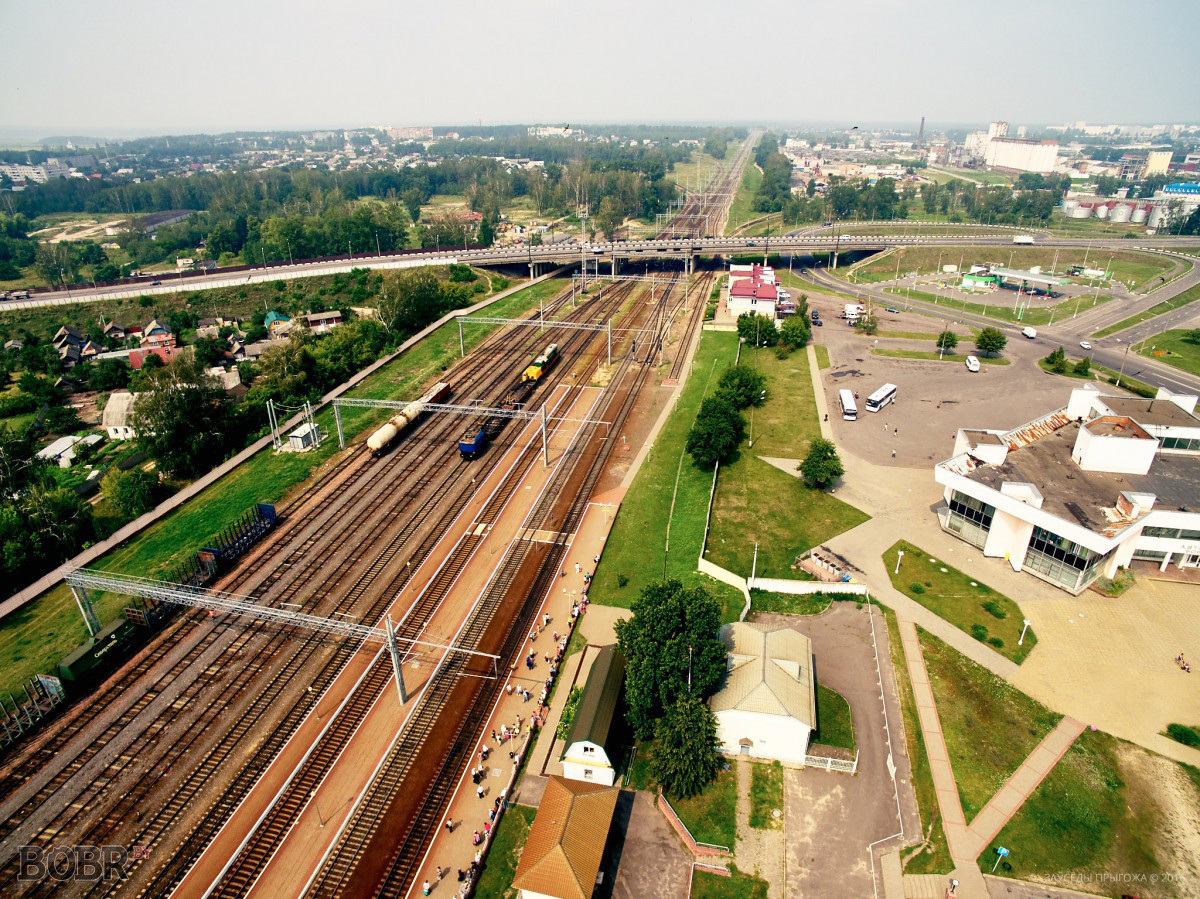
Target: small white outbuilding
(767, 707)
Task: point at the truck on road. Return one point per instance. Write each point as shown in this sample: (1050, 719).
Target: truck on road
(1025, 240)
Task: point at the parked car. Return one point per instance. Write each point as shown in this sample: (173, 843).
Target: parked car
(972, 364)
(1085, 344)
(1031, 333)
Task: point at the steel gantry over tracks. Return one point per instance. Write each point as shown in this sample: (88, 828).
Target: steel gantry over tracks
(83, 579)
(539, 416)
(539, 322)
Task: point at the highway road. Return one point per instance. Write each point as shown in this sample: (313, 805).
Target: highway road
(559, 253)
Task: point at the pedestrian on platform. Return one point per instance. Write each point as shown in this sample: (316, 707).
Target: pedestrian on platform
(441, 872)
(479, 791)
(462, 875)
(450, 825)
(487, 828)
(546, 620)
(425, 888)
(578, 568)
(476, 839)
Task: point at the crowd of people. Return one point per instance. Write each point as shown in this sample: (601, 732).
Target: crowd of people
(551, 653)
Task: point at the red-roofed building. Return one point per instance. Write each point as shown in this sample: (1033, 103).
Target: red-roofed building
(753, 289)
(137, 358)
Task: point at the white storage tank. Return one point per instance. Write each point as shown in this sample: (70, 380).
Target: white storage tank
(1101, 211)
(1082, 211)
(1068, 205)
(1159, 216)
(1138, 216)
(1120, 213)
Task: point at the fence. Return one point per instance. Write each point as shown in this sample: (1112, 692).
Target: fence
(832, 764)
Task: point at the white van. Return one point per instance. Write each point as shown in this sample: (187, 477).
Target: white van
(972, 363)
(1029, 332)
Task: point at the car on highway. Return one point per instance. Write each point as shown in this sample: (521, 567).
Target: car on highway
(972, 364)
(155, 283)
(892, 309)
(1085, 344)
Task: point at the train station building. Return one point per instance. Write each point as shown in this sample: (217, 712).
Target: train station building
(1083, 491)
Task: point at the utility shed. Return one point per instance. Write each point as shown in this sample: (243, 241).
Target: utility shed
(593, 741)
(767, 707)
(562, 855)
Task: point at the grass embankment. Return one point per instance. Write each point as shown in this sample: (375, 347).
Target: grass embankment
(1188, 296)
(706, 885)
(1129, 266)
(711, 817)
(990, 727)
(757, 502)
(508, 841)
(934, 356)
(1032, 315)
(970, 606)
(804, 285)
(797, 604)
(742, 209)
(637, 548)
(1102, 373)
(835, 727)
(822, 356)
(698, 171)
(978, 175)
(33, 639)
(766, 795)
(932, 856)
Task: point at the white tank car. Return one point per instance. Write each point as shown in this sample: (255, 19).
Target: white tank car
(380, 440)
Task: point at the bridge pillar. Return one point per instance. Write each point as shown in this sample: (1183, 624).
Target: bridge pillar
(615, 265)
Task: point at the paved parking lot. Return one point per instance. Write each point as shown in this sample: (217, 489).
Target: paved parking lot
(933, 399)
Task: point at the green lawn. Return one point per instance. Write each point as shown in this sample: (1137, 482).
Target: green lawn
(1102, 373)
(791, 603)
(933, 355)
(742, 209)
(766, 795)
(33, 639)
(500, 864)
(1171, 347)
(706, 885)
(835, 727)
(933, 857)
(791, 279)
(637, 545)
(822, 356)
(1129, 266)
(1088, 818)
(1188, 296)
(698, 170)
(961, 600)
(711, 817)
(990, 727)
(800, 517)
(1032, 315)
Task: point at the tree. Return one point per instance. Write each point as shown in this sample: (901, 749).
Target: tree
(757, 330)
(867, 324)
(947, 340)
(1192, 336)
(183, 419)
(411, 300)
(108, 374)
(822, 466)
(991, 341)
(743, 386)
(795, 331)
(130, 492)
(716, 432)
(1057, 361)
(685, 755)
(673, 634)
(1083, 367)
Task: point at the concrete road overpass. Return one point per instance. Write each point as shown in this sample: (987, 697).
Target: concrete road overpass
(612, 252)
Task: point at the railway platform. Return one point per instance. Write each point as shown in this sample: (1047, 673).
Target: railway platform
(454, 850)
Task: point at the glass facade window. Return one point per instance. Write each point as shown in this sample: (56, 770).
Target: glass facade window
(1189, 535)
(1160, 532)
(1149, 555)
(1061, 560)
(1180, 443)
(970, 518)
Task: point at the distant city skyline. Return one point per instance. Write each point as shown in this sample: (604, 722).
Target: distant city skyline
(147, 68)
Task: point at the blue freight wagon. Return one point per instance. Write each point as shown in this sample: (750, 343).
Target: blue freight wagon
(473, 442)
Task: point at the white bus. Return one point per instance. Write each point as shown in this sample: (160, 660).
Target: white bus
(849, 407)
(881, 397)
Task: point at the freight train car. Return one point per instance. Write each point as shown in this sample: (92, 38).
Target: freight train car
(102, 653)
(541, 364)
(382, 438)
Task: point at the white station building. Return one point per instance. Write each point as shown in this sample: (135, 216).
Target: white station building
(1082, 491)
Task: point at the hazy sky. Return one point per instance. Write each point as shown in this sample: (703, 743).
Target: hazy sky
(164, 66)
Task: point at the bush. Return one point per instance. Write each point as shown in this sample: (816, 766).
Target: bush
(568, 714)
(996, 641)
(822, 466)
(500, 284)
(979, 632)
(916, 588)
(622, 580)
(994, 609)
(1181, 733)
(1083, 366)
(462, 273)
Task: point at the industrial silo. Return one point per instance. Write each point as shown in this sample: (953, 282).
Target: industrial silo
(1159, 216)
(1139, 215)
(1082, 211)
(1101, 211)
(1122, 212)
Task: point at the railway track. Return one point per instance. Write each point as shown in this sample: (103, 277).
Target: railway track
(340, 872)
(78, 763)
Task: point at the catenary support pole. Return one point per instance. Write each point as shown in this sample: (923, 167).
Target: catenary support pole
(337, 416)
(609, 332)
(462, 347)
(394, 652)
(545, 442)
(85, 609)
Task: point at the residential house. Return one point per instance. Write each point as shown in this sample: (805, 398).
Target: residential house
(65, 335)
(767, 707)
(322, 322)
(137, 358)
(115, 418)
(115, 332)
(277, 324)
(158, 334)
